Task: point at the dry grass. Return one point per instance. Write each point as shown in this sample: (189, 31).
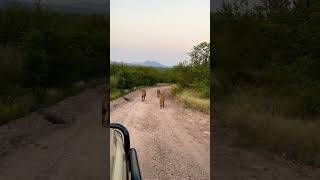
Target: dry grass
(191, 99)
(164, 84)
(265, 122)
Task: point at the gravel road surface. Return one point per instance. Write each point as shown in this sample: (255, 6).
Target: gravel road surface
(172, 143)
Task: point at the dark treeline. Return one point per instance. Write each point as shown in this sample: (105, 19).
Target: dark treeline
(267, 75)
(274, 45)
(128, 77)
(125, 78)
(42, 49)
(51, 49)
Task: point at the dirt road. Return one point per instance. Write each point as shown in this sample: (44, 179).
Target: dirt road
(172, 143)
(34, 149)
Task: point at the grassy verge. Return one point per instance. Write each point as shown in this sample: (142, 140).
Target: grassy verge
(192, 99)
(270, 123)
(12, 111)
(114, 94)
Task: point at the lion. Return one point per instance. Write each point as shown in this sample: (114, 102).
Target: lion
(161, 99)
(144, 94)
(158, 92)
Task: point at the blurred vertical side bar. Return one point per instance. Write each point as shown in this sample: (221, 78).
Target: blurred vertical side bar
(213, 4)
(107, 119)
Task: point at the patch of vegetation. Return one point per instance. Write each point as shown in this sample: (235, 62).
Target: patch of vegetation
(192, 99)
(267, 78)
(268, 123)
(114, 94)
(43, 54)
(124, 78)
(193, 79)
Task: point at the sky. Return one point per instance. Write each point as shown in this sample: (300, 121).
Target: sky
(157, 30)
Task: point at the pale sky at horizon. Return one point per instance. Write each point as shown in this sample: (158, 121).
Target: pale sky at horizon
(157, 30)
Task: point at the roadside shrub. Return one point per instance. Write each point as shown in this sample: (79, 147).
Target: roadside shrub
(113, 82)
(203, 88)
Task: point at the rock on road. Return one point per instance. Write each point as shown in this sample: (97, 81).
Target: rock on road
(172, 143)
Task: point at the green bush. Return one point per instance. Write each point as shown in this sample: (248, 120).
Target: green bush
(113, 82)
(123, 76)
(196, 73)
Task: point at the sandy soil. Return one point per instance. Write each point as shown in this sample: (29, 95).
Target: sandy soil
(172, 143)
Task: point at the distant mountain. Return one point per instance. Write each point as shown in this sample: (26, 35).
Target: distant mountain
(145, 63)
(148, 63)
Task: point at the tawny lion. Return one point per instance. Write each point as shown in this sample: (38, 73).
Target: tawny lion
(161, 99)
(158, 92)
(144, 93)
